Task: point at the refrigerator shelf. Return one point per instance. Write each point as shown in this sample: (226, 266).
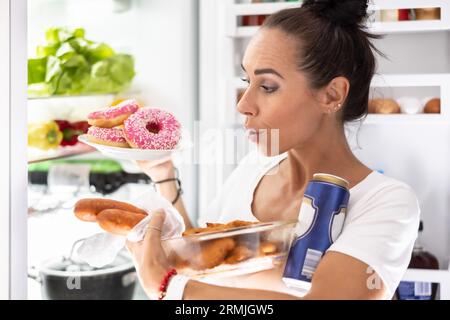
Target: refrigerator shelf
(64, 152)
(378, 27)
(420, 118)
(435, 276)
(241, 9)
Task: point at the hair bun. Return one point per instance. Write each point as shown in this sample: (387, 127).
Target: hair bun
(342, 12)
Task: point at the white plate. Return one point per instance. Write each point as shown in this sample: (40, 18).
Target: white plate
(131, 153)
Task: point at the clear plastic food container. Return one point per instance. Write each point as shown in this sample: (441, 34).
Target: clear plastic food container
(233, 251)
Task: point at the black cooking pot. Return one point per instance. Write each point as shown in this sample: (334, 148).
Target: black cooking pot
(66, 279)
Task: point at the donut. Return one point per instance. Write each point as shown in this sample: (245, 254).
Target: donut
(107, 136)
(88, 209)
(151, 128)
(113, 116)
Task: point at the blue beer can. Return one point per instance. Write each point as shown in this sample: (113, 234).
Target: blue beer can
(321, 219)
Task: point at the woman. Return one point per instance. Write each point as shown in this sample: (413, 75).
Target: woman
(308, 71)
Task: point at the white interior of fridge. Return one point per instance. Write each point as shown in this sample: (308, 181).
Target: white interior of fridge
(412, 148)
(162, 37)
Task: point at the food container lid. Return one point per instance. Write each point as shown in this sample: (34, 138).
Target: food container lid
(68, 267)
(254, 228)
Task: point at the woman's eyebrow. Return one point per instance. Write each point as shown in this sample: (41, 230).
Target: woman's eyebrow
(262, 71)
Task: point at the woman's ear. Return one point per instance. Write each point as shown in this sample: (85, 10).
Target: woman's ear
(334, 94)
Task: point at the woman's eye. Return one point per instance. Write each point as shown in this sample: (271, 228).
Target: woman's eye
(268, 89)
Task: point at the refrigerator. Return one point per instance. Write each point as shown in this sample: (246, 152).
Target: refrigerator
(187, 56)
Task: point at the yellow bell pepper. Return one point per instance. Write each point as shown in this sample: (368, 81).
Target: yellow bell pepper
(119, 100)
(44, 136)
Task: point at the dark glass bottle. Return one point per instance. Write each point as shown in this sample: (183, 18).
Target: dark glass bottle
(420, 259)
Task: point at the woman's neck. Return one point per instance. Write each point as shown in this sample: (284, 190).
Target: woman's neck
(327, 152)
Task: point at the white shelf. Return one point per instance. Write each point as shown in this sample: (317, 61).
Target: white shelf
(421, 118)
(419, 26)
(408, 27)
(376, 28)
(242, 9)
(36, 155)
(412, 80)
(408, 4)
(436, 276)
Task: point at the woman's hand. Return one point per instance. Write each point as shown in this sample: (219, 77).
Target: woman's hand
(158, 169)
(161, 170)
(149, 257)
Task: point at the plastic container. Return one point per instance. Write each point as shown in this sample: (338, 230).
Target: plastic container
(231, 252)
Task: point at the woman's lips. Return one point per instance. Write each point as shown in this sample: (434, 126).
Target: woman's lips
(252, 135)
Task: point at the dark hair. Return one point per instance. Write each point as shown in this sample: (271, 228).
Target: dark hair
(333, 42)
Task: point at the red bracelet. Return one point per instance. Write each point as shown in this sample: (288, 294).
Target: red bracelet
(165, 281)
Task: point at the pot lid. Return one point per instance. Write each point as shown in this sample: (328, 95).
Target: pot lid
(67, 267)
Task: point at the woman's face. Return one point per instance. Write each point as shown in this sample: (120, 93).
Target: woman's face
(278, 96)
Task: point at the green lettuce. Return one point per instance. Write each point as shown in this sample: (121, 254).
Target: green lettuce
(70, 64)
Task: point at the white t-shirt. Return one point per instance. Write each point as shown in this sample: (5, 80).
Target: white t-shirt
(380, 228)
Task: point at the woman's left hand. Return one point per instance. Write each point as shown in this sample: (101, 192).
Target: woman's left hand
(149, 257)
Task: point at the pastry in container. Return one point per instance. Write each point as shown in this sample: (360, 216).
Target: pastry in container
(230, 249)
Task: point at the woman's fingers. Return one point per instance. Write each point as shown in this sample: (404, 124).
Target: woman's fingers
(154, 228)
(152, 241)
(149, 256)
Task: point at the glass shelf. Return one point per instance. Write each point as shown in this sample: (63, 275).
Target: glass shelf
(35, 155)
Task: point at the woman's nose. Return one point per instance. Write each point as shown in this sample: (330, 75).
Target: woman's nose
(246, 106)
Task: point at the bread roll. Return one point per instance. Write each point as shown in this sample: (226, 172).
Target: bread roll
(117, 221)
(433, 106)
(383, 106)
(87, 209)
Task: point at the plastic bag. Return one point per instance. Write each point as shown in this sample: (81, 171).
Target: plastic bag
(102, 248)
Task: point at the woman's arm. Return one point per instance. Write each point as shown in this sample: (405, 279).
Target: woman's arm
(337, 277)
(195, 290)
(168, 190)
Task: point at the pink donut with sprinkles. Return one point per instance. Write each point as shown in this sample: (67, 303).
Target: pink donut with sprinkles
(113, 137)
(113, 116)
(151, 128)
